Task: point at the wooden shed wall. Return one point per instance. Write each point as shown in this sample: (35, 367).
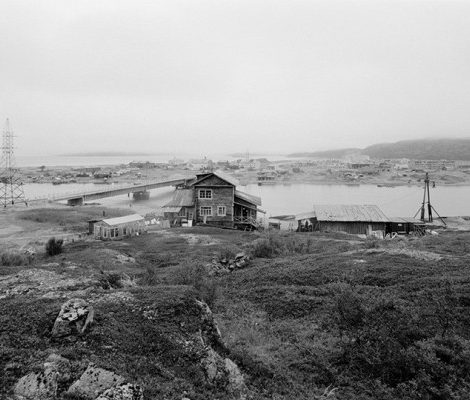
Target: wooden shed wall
(356, 228)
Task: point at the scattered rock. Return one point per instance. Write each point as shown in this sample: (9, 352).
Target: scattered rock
(95, 381)
(30, 252)
(124, 259)
(224, 265)
(74, 317)
(45, 384)
(127, 391)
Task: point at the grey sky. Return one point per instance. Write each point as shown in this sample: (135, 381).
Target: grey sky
(223, 76)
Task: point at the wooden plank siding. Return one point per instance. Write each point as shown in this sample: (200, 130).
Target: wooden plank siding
(355, 228)
(222, 196)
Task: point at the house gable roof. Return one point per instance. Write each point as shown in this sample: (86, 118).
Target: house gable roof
(212, 180)
(219, 176)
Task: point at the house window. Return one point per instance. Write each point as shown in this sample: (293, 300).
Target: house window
(206, 211)
(205, 193)
(221, 211)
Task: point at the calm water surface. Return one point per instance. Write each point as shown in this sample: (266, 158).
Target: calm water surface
(297, 198)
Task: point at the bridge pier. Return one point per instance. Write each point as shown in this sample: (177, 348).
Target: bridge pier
(144, 195)
(78, 201)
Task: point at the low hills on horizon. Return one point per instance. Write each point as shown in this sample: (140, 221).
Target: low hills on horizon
(423, 149)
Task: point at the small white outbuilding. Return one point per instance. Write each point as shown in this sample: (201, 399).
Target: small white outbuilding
(119, 227)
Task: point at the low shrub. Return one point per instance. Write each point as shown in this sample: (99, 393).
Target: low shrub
(197, 276)
(226, 253)
(268, 247)
(149, 277)
(372, 243)
(115, 281)
(8, 259)
(54, 246)
(392, 341)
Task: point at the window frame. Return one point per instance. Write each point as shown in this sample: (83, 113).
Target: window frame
(207, 194)
(224, 214)
(207, 208)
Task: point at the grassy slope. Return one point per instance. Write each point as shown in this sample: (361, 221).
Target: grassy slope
(296, 323)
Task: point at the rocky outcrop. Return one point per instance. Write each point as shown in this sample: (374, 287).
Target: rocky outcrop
(44, 385)
(74, 318)
(95, 381)
(210, 332)
(223, 372)
(127, 391)
(220, 370)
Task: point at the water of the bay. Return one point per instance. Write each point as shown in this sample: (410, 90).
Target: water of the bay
(297, 197)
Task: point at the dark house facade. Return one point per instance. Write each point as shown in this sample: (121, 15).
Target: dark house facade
(213, 199)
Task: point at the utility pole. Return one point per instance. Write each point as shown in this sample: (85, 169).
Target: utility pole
(426, 205)
(11, 187)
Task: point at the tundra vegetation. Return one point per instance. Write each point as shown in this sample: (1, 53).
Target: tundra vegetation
(310, 316)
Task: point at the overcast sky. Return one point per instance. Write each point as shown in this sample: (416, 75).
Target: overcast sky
(222, 76)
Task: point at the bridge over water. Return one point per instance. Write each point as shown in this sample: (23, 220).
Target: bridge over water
(139, 191)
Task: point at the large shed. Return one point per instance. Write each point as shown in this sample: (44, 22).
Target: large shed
(119, 227)
(354, 219)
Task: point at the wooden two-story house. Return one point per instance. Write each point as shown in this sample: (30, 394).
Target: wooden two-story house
(212, 198)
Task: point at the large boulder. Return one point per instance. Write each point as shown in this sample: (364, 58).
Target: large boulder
(46, 384)
(74, 317)
(95, 381)
(127, 391)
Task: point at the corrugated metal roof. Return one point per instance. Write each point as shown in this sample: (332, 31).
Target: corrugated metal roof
(345, 213)
(248, 197)
(181, 198)
(123, 220)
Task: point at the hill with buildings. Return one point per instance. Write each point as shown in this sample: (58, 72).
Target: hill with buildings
(424, 149)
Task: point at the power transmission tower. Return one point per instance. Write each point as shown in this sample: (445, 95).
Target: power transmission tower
(11, 187)
(426, 205)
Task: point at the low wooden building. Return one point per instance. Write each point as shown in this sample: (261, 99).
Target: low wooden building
(405, 226)
(180, 208)
(119, 227)
(353, 219)
(212, 198)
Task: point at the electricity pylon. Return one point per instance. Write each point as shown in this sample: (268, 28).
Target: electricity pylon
(11, 187)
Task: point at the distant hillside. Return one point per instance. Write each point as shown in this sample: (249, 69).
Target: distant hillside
(439, 149)
(435, 149)
(327, 153)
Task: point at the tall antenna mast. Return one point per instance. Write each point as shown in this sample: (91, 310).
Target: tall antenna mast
(11, 187)
(426, 205)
